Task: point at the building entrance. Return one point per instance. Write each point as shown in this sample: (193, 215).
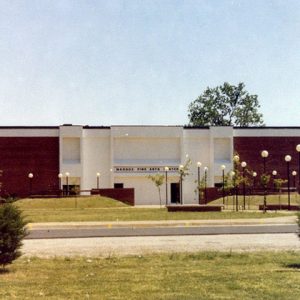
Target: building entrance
(175, 194)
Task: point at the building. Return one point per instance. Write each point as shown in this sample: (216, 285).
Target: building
(126, 155)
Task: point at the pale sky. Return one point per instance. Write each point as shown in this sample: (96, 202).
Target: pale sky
(113, 62)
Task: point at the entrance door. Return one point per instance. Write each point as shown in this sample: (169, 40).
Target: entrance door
(175, 195)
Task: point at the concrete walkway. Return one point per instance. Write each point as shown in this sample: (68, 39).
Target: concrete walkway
(163, 223)
(107, 246)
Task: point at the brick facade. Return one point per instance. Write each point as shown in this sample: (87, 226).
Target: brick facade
(20, 156)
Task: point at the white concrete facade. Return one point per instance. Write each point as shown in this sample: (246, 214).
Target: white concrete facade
(128, 154)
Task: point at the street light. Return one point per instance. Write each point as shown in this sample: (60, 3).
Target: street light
(236, 160)
(294, 173)
(232, 174)
(98, 178)
(288, 158)
(166, 171)
(223, 167)
(264, 155)
(243, 165)
(205, 184)
(199, 164)
(254, 174)
(274, 173)
(67, 182)
(298, 150)
(60, 175)
(181, 175)
(30, 176)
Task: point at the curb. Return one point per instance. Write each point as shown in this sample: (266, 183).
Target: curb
(173, 223)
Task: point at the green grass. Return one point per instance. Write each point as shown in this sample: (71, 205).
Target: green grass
(134, 214)
(255, 201)
(206, 275)
(105, 209)
(69, 203)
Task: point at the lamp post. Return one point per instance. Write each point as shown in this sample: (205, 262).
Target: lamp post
(298, 150)
(60, 175)
(254, 174)
(288, 158)
(244, 164)
(205, 184)
(30, 177)
(181, 174)
(98, 179)
(294, 173)
(223, 167)
(274, 173)
(236, 160)
(199, 164)
(264, 155)
(166, 172)
(232, 174)
(67, 182)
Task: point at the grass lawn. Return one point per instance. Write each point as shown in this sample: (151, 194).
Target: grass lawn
(105, 209)
(254, 201)
(205, 275)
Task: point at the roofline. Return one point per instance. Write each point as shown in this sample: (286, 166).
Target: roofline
(267, 127)
(29, 127)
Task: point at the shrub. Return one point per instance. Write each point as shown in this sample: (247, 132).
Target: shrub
(12, 232)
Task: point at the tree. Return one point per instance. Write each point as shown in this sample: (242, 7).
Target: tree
(158, 180)
(12, 231)
(225, 105)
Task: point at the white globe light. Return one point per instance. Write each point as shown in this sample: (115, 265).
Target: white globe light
(236, 158)
(254, 174)
(98, 174)
(223, 167)
(243, 164)
(199, 164)
(60, 175)
(180, 167)
(264, 153)
(205, 168)
(288, 158)
(67, 174)
(30, 175)
(166, 169)
(298, 147)
(274, 173)
(294, 173)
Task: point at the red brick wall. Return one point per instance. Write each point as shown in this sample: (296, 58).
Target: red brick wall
(22, 155)
(249, 150)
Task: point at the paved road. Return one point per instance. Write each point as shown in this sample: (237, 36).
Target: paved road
(119, 246)
(159, 231)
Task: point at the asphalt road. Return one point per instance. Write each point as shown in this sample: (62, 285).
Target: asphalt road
(54, 233)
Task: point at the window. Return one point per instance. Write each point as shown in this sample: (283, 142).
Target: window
(119, 185)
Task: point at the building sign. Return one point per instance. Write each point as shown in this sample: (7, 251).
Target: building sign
(124, 169)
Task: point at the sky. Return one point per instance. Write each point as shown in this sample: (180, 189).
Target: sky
(143, 62)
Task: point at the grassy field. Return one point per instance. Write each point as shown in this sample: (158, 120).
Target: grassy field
(253, 202)
(206, 275)
(104, 209)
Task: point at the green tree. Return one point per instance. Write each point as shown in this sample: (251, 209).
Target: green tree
(12, 232)
(225, 105)
(158, 180)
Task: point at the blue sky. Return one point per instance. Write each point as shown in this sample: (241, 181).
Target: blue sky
(142, 62)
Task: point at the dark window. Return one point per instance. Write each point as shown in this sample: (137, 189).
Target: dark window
(218, 184)
(119, 185)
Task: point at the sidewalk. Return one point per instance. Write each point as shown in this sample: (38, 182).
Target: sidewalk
(162, 223)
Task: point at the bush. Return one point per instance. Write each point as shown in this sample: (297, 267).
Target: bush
(12, 232)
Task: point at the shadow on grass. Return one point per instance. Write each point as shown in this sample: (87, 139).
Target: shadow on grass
(293, 266)
(3, 271)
